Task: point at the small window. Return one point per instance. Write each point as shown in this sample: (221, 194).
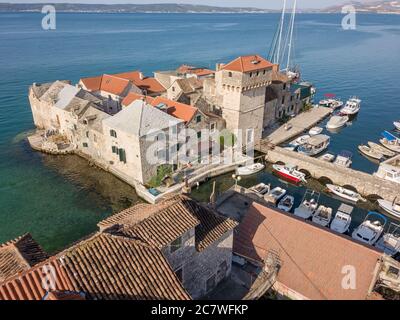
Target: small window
(113, 133)
(264, 72)
(94, 138)
(251, 74)
(175, 245)
(87, 134)
(230, 74)
(258, 73)
(122, 155)
(283, 100)
(173, 89)
(199, 135)
(85, 145)
(284, 86)
(75, 127)
(212, 127)
(114, 149)
(198, 118)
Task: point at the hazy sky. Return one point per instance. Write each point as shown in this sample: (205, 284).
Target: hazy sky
(273, 4)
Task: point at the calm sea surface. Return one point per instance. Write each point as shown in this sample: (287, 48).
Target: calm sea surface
(61, 199)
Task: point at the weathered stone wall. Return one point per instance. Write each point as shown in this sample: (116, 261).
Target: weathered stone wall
(366, 184)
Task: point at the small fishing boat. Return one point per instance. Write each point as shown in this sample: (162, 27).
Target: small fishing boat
(337, 122)
(274, 195)
(397, 125)
(289, 172)
(370, 152)
(315, 145)
(371, 229)
(344, 159)
(331, 102)
(382, 150)
(342, 221)
(392, 208)
(322, 216)
(328, 157)
(290, 148)
(390, 141)
(308, 205)
(286, 204)
(261, 189)
(315, 130)
(300, 140)
(249, 170)
(352, 107)
(390, 242)
(345, 193)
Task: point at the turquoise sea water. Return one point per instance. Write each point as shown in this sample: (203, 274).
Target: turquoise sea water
(61, 199)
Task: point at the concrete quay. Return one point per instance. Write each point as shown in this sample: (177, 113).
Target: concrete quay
(366, 184)
(298, 125)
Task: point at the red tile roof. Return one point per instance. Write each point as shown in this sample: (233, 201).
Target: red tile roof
(102, 267)
(19, 255)
(107, 83)
(131, 97)
(185, 69)
(248, 64)
(312, 257)
(151, 85)
(178, 110)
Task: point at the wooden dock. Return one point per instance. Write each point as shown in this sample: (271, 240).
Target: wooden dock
(298, 125)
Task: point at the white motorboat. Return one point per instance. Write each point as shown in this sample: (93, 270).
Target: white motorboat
(300, 140)
(390, 242)
(315, 145)
(328, 157)
(388, 172)
(308, 205)
(286, 204)
(322, 216)
(371, 229)
(342, 221)
(249, 170)
(370, 152)
(392, 208)
(290, 173)
(382, 150)
(261, 189)
(397, 125)
(274, 195)
(390, 141)
(343, 159)
(315, 130)
(345, 193)
(331, 102)
(337, 122)
(352, 107)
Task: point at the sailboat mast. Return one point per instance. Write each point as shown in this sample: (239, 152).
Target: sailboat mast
(278, 58)
(291, 35)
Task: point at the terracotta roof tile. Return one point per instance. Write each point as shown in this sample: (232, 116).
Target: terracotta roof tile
(19, 255)
(102, 267)
(312, 257)
(248, 64)
(92, 83)
(176, 109)
(186, 69)
(107, 83)
(151, 85)
(131, 97)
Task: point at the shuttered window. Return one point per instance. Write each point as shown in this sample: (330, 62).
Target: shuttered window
(122, 155)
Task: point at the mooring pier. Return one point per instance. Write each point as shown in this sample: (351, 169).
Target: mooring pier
(366, 184)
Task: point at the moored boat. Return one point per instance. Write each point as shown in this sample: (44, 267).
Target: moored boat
(384, 151)
(345, 193)
(352, 107)
(286, 204)
(371, 229)
(274, 195)
(249, 170)
(390, 141)
(331, 102)
(260, 189)
(289, 172)
(343, 159)
(300, 140)
(315, 130)
(397, 125)
(342, 221)
(328, 157)
(315, 145)
(308, 205)
(337, 122)
(390, 242)
(392, 208)
(368, 151)
(322, 216)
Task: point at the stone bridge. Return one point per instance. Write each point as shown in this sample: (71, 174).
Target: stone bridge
(366, 184)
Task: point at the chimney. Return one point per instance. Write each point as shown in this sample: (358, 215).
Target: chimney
(141, 76)
(219, 66)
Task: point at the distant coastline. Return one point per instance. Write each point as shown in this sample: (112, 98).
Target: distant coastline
(380, 7)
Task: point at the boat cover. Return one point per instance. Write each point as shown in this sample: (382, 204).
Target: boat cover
(389, 136)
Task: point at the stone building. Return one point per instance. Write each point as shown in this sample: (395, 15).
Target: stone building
(196, 241)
